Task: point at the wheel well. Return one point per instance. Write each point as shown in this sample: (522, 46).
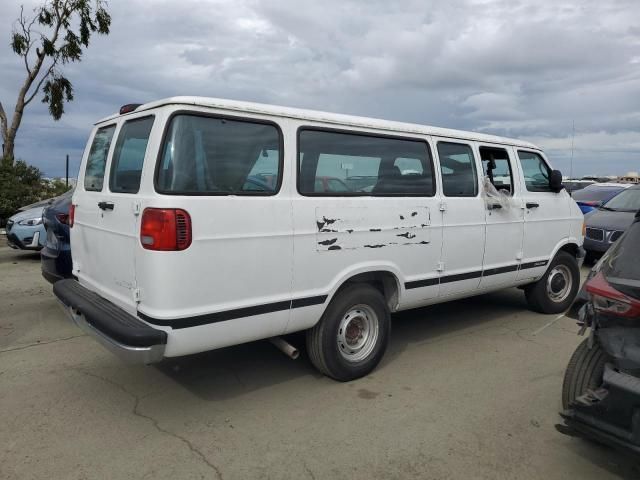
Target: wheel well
(570, 248)
(385, 282)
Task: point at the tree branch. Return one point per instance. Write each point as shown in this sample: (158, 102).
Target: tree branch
(3, 123)
(44, 77)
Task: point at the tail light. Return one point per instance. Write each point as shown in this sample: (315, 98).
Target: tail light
(606, 299)
(165, 229)
(63, 218)
(71, 216)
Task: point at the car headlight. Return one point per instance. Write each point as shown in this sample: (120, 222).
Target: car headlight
(30, 222)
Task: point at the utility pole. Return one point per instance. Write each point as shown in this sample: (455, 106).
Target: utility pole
(67, 172)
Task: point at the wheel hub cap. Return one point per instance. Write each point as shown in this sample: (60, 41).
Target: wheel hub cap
(357, 333)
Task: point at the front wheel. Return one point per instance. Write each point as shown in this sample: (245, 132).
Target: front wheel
(352, 335)
(558, 287)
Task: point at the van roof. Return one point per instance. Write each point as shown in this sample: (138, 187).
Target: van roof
(326, 117)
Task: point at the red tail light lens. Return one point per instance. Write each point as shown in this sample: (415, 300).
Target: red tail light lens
(165, 229)
(607, 299)
(71, 216)
(63, 218)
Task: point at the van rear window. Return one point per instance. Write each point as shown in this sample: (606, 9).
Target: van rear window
(97, 160)
(204, 155)
(128, 156)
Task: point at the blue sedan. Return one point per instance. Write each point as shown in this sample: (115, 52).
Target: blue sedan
(25, 230)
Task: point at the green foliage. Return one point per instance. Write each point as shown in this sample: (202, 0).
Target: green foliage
(56, 91)
(56, 187)
(20, 185)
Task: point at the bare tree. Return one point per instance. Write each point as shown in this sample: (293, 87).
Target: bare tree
(54, 36)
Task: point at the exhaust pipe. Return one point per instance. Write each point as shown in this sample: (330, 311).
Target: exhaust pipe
(285, 347)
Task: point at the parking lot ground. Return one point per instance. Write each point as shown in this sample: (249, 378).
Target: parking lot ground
(467, 390)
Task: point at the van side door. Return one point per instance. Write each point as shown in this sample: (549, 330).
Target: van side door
(463, 217)
(547, 215)
(504, 217)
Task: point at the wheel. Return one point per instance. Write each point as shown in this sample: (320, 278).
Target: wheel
(558, 287)
(352, 335)
(584, 372)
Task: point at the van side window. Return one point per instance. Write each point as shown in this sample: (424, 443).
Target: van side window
(458, 166)
(536, 172)
(204, 155)
(345, 163)
(496, 166)
(128, 156)
(97, 160)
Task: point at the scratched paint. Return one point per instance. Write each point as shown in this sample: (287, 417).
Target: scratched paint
(351, 228)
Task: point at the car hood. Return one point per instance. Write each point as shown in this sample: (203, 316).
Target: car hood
(609, 220)
(31, 213)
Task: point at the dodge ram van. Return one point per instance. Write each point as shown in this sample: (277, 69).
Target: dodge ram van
(200, 223)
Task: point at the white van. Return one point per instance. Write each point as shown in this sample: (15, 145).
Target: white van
(200, 223)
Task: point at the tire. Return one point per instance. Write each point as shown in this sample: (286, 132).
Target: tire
(357, 311)
(548, 294)
(584, 372)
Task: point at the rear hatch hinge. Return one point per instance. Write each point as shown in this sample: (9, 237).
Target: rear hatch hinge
(137, 296)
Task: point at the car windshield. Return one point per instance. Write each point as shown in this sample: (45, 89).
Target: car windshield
(595, 194)
(621, 264)
(627, 201)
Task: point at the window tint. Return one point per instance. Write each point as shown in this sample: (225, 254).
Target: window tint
(334, 163)
(216, 156)
(621, 264)
(536, 172)
(458, 168)
(97, 160)
(128, 157)
(495, 164)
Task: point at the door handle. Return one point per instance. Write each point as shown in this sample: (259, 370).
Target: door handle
(532, 205)
(106, 205)
(494, 206)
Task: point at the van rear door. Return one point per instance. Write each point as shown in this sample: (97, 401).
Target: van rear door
(105, 232)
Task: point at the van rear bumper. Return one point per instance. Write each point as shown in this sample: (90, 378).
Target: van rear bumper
(121, 333)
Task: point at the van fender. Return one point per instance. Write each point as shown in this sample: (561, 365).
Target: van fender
(305, 318)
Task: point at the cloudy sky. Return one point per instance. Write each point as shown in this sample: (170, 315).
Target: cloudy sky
(525, 69)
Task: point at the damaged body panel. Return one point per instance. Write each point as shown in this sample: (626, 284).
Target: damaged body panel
(359, 227)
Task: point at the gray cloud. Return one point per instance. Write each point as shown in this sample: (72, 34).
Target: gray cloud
(515, 68)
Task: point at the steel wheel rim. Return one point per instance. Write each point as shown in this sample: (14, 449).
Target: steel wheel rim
(357, 333)
(559, 283)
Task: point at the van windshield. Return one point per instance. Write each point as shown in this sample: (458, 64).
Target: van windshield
(205, 155)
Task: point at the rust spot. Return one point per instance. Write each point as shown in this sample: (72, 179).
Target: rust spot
(328, 242)
(374, 246)
(407, 235)
(329, 230)
(413, 214)
(335, 247)
(424, 225)
(349, 230)
(375, 229)
(401, 217)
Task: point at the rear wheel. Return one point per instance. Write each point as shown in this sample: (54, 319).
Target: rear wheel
(584, 372)
(558, 287)
(352, 335)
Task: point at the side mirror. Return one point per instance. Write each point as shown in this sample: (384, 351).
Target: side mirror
(555, 181)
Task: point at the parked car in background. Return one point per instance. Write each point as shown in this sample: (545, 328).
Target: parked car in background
(575, 185)
(56, 255)
(601, 388)
(592, 196)
(607, 223)
(25, 230)
(330, 184)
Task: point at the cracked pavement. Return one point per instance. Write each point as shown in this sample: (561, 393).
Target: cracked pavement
(469, 389)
